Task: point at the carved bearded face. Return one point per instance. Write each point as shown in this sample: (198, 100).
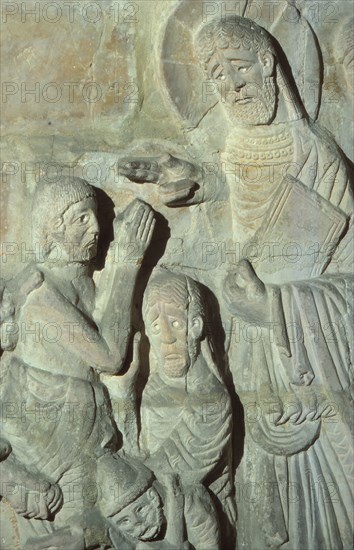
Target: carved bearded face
(170, 336)
(77, 231)
(245, 83)
(141, 520)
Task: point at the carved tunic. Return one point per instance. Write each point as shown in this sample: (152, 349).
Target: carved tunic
(305, 363)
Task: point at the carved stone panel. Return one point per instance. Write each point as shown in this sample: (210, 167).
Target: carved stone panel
(176, 292)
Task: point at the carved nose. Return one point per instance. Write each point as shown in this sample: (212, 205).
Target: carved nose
(168, 338)
(236, 81)
(238, 84)
(167, 335)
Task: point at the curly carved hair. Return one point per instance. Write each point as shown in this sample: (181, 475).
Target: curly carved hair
(233, 32)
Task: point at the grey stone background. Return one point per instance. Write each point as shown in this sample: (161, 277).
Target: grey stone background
(81, 78)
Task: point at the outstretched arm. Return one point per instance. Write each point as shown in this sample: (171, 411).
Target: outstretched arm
(180, 182)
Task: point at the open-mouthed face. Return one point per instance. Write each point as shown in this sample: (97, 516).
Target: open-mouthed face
(166, 327)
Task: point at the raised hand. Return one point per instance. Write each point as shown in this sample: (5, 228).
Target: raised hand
(133, 231)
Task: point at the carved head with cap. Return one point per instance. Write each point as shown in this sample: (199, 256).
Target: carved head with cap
(64, 217)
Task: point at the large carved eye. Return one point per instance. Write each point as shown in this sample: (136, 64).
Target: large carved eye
(221, 77)
(244, 69)
(178, 324)
(81, 220)
(155, 328)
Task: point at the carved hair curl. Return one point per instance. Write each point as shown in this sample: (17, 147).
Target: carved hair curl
(232, 32)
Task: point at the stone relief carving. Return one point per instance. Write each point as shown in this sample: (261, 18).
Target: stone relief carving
(231, 370)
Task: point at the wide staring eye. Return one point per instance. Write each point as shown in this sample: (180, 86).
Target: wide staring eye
(221, 77)
(243, 69)
(176, 324)
(155, 327)
(82, 219)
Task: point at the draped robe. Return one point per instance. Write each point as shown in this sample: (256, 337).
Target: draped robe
(295, 481)
(56, 413)
(186, 428)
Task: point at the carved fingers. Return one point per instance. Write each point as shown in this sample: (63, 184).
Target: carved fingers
(146, 225)
(304, 404)
(54, 499)
(140, 170)
(156, 170)
(290, 411)
(135, 228)
(42, 503)
(176, 177)
(175, 192)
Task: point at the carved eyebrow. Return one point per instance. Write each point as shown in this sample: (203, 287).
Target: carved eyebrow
(237, 59)
(155, 317)
(214, 64)
(82, 213)
(217, 71)
(79, 213)
(123, 519)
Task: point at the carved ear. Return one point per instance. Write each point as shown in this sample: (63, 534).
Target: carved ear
(268, 62)
(196, 327)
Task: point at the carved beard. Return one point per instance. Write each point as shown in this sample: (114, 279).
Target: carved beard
(176, 367)
(259, 111)
(155, 519)
(80, 253)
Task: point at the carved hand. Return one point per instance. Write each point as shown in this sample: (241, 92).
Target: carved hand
(305, 403)
(176, 177)
(133, 231)
(246, 295)
(41, 501)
